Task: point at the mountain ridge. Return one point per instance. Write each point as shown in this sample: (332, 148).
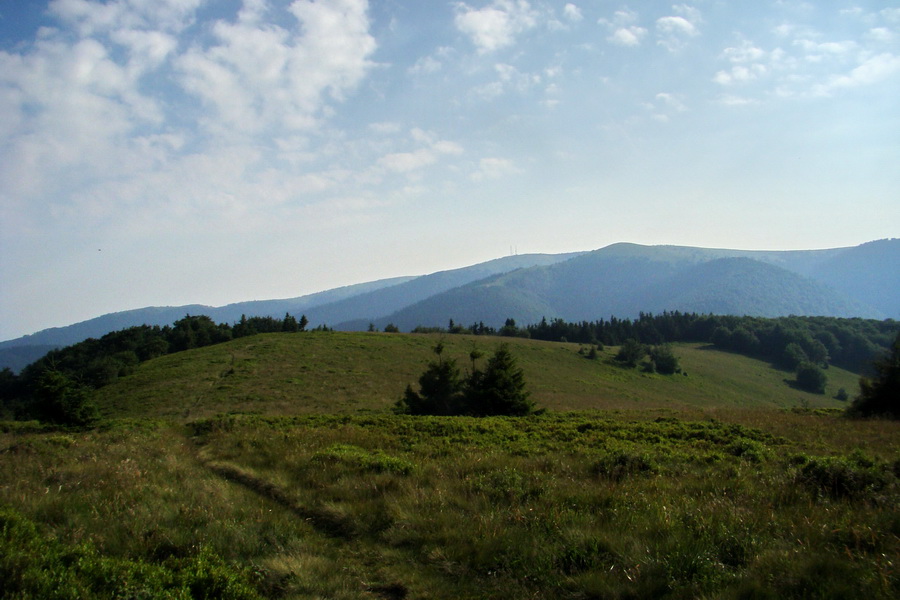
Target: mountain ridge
(619, 280)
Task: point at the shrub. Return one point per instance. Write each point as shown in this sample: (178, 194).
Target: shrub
(631, 352)
(664, 360)
(811, 378)
(851, 477)
(60, 400)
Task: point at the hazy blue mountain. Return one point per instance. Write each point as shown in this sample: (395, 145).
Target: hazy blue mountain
(357, 312)
(869, 273)
(619, 280)
(362, 302)
(743, 286)
(623, 280)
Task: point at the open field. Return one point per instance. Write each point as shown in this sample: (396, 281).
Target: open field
(726, 483)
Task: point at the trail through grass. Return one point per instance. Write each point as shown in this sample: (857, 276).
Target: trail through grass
(574, 505)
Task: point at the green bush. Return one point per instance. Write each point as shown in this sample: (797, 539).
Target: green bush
(61, 400)
(811, 378)
(854, 477)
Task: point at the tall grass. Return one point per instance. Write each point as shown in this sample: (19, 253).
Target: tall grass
(574, 505)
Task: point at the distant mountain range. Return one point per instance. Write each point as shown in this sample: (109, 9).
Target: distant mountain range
(620, 280)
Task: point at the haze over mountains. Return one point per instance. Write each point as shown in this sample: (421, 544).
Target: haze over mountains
(620, 280)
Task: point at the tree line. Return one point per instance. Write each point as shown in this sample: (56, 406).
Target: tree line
(58, 383)
(56, 387)
(851, 344)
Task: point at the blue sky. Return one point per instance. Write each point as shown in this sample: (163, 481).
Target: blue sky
(165, 152)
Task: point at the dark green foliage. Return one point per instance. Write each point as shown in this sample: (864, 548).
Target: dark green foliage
(95, 363)
(664, 360)
(854, 477)
(792, 357)
(631, 352)
(60, 400)
(391, 328)
(880, 396)
(498, 390)
(811, 378)
(197, 332)
(847, 343)
(290, 324)
(441, 391)
(34, 566)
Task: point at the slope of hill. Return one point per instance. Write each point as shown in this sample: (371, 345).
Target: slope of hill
(352, 372)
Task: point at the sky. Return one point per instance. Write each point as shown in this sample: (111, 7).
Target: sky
(167, 152)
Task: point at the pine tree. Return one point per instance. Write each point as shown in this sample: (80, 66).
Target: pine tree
(500, 389)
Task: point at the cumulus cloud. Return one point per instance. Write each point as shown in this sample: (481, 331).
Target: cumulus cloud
(673, 31)
(257, 76)
(627, 36)
(870, 71)
(495, 26)
(623, 31)
(572, 12)
(112, 94)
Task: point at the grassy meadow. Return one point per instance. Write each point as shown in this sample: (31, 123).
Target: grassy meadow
(272, 467)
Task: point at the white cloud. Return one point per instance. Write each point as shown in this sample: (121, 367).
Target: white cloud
(494, 168)
(746, 52)
(676, 26)
(433, 148)
(880, 35)
(259, 76)
(673, 31)
(495, 26)
(91, 18)
(623, 32)
(740, 74)
(425, 65)
(572, 12)
(627, 36)
(869, 72)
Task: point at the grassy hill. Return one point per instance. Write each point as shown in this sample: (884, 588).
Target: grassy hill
(341, 372)
(725, 483)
